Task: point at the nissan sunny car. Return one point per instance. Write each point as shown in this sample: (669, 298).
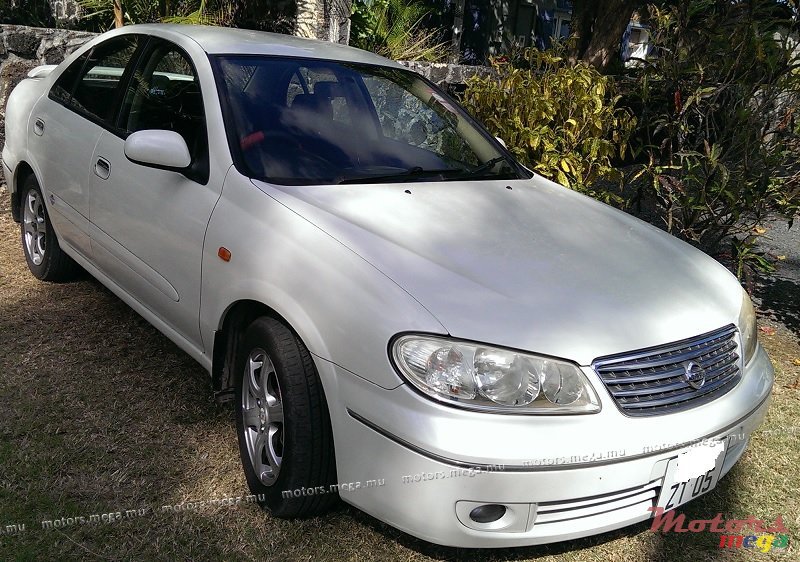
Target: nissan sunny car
(403, 316)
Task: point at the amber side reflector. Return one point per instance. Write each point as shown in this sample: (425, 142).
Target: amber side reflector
(224, 253)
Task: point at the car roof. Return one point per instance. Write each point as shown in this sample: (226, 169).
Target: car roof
(226, 40)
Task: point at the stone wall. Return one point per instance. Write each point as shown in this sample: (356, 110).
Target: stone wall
(23, 48)
(65, 11)
(449, 76)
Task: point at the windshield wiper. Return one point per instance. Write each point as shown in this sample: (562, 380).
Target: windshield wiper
(486, 166)
(405, 175)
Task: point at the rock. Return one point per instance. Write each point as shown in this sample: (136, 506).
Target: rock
(23, 48)
(22, 42)
(12, 71)
(445, 74)
(55, 46)
(65, 10)
(76, 39)
(52, 50)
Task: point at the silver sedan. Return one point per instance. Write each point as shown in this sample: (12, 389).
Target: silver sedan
(403, 316)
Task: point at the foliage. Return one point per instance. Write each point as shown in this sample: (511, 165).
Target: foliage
(133, 11)
(393, 28)
(717, 105)
(100, 13)
(744, 256)
(561, 121)
(201, 15)
(278, 16)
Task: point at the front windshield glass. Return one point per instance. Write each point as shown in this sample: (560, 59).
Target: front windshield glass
(298, 121)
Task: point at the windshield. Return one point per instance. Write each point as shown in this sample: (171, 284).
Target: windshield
(296, 121)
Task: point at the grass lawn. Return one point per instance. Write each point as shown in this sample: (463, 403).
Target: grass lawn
(99, 414)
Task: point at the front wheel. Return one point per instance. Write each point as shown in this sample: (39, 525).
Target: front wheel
(283, 424)
(46, 260)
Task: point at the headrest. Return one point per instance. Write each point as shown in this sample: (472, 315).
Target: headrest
(328, 90)
(312, 103)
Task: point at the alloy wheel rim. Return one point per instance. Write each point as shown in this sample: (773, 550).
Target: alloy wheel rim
(262, 414)
(34, 227)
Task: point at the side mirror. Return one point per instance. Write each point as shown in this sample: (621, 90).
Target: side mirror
(501, 141)
(158, 149)
(42, 71)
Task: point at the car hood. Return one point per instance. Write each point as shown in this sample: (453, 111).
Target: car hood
(526, 264)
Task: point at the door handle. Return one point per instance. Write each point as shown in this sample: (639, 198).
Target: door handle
(38, 127)
(102, 168)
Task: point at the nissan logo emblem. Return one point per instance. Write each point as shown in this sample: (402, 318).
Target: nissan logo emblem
(694, 374)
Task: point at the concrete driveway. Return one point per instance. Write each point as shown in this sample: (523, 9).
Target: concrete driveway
(778, 295)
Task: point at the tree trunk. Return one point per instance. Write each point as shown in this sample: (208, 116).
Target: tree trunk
(119, 21)
(307, 24)
(599, 28)
(584, 12)
(164, 9)
(458, 30)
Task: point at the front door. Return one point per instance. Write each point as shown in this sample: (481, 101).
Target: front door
(148, 224)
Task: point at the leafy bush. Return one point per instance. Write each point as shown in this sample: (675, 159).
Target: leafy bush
(717, 104)
(100, 13)
(561, 121)
(265, 15)
(393, 29)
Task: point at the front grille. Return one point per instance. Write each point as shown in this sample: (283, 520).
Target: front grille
(652, 381)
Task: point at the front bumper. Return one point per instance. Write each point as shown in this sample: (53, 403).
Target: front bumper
(428, 491)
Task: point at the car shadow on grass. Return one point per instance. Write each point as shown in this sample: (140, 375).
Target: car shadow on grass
(84, 369)
(780, 301)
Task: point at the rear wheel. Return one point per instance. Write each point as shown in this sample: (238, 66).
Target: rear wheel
(283, 425)
(46, 260)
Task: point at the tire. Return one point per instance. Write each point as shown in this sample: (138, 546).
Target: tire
(46, 260)
(283, 426)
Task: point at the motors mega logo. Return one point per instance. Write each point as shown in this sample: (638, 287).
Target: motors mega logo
(762, 537)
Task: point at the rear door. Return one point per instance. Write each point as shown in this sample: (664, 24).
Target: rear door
(148, 225)
(66, 125)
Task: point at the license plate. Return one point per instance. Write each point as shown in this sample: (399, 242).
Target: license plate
(695, 472)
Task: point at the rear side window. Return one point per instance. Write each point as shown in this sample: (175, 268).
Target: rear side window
(62, 89)
(92, 87)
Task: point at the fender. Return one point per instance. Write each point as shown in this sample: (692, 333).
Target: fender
(280, 259)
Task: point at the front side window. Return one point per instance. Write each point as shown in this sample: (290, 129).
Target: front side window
(92, 87)
(164, 93)
(295, 121)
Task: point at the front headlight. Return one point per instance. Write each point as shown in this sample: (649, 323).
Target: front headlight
(747, 328)
(480, 377)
